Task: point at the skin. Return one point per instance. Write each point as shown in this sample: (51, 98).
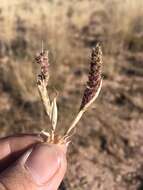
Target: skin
(28, 164)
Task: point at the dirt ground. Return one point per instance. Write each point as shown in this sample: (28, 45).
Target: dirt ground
(107, 151)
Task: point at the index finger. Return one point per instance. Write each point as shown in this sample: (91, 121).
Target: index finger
(14, 146)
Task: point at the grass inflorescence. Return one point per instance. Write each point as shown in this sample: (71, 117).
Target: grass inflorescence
(91, 92)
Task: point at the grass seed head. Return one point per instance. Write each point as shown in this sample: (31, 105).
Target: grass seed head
(94, 78)
(43, 60)
(90, 94)
(92, 89)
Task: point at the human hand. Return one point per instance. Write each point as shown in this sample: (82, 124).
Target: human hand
(28, 164)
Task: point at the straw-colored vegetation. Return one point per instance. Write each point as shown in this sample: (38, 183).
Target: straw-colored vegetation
(109, 140)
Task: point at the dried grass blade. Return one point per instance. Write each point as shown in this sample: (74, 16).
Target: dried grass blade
(54, 113)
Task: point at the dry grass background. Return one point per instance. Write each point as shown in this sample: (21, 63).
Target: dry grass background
(107, 150)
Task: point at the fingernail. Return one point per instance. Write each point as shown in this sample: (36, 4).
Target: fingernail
(44, 161)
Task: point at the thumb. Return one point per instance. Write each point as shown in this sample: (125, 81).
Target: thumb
(41, 168)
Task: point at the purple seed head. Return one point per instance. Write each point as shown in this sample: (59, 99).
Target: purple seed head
(94, 78)
(43, 61)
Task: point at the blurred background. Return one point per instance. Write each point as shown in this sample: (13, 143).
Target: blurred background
(106, 153)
